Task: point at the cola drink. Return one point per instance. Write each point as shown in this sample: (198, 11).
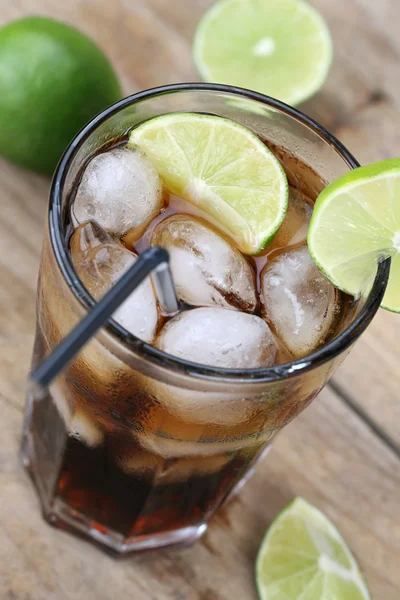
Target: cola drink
(137, 459)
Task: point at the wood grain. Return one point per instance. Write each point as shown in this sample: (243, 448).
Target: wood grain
(360, 103)
(329, 455)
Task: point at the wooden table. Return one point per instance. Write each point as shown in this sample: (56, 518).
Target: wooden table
(342, 454)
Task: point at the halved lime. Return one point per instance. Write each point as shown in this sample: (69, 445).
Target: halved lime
(356, 222)
(282, 49)
(222, 168)
(304, 557)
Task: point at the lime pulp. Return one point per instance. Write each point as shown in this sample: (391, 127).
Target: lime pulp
(282, 49)
(304, 557)
(222, 168)
(356, 223)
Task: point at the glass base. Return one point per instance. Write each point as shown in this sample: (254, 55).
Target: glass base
(58, 514)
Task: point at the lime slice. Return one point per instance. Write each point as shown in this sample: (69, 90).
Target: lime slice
(282, 49)
(223, 169)
(304, 557)
(356, 221)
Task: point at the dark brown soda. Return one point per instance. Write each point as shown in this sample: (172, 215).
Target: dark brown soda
(161, 494)
(90, 484)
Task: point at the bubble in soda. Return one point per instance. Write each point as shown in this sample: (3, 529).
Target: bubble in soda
(120, 190)
(298, 301)
(207, 270)
(220, 338)
(100, 261)
(294, 228)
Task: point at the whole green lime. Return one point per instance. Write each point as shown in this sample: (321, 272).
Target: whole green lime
(53, 79)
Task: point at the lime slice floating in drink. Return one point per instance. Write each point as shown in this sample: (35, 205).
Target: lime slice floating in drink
(356, 221)
(280, 48)
(304, 557)
(223, 169)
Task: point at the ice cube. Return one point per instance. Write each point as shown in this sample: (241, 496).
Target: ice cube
(173, 448)
(207, 269)
(85, 428)
(79, 423)
(99, 262)
(120, 190)
(61, 398)
(294, 228)
(181, 470)
(170, 468)
(220, 338)
(187, 409)
(135, 461)
(298, 301)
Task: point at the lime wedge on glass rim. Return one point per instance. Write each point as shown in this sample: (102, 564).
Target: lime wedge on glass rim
(355, 223)
(304, 557)
(222, 168)
(280, 48)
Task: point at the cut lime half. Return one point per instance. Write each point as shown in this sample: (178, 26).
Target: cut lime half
(356, 222)
(280, 48)
(304, 557)
(223, 169)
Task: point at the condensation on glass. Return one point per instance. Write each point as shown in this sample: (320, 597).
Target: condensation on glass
(132, 448)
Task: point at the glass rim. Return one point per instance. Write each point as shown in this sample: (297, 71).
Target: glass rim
(152, 354)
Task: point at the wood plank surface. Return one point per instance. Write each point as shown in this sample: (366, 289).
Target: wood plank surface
(326, 455)
(360, 103)
(329, 454)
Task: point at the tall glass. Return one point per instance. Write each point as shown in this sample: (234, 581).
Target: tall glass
(135, 448)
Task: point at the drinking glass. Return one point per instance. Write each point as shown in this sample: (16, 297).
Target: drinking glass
(134, 448)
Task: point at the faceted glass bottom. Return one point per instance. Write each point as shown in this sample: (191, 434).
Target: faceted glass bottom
(58, 514)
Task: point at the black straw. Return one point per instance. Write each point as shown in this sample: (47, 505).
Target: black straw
(95, 319)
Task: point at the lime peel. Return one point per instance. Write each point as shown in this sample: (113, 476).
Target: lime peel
(304, 557)
(221, 167)
(355, 224)
(282, 49)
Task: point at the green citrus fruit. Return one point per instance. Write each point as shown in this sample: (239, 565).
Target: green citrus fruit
(222, 168)
(280, 48)
(53, 79)
(355, 223)
(304, 557)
